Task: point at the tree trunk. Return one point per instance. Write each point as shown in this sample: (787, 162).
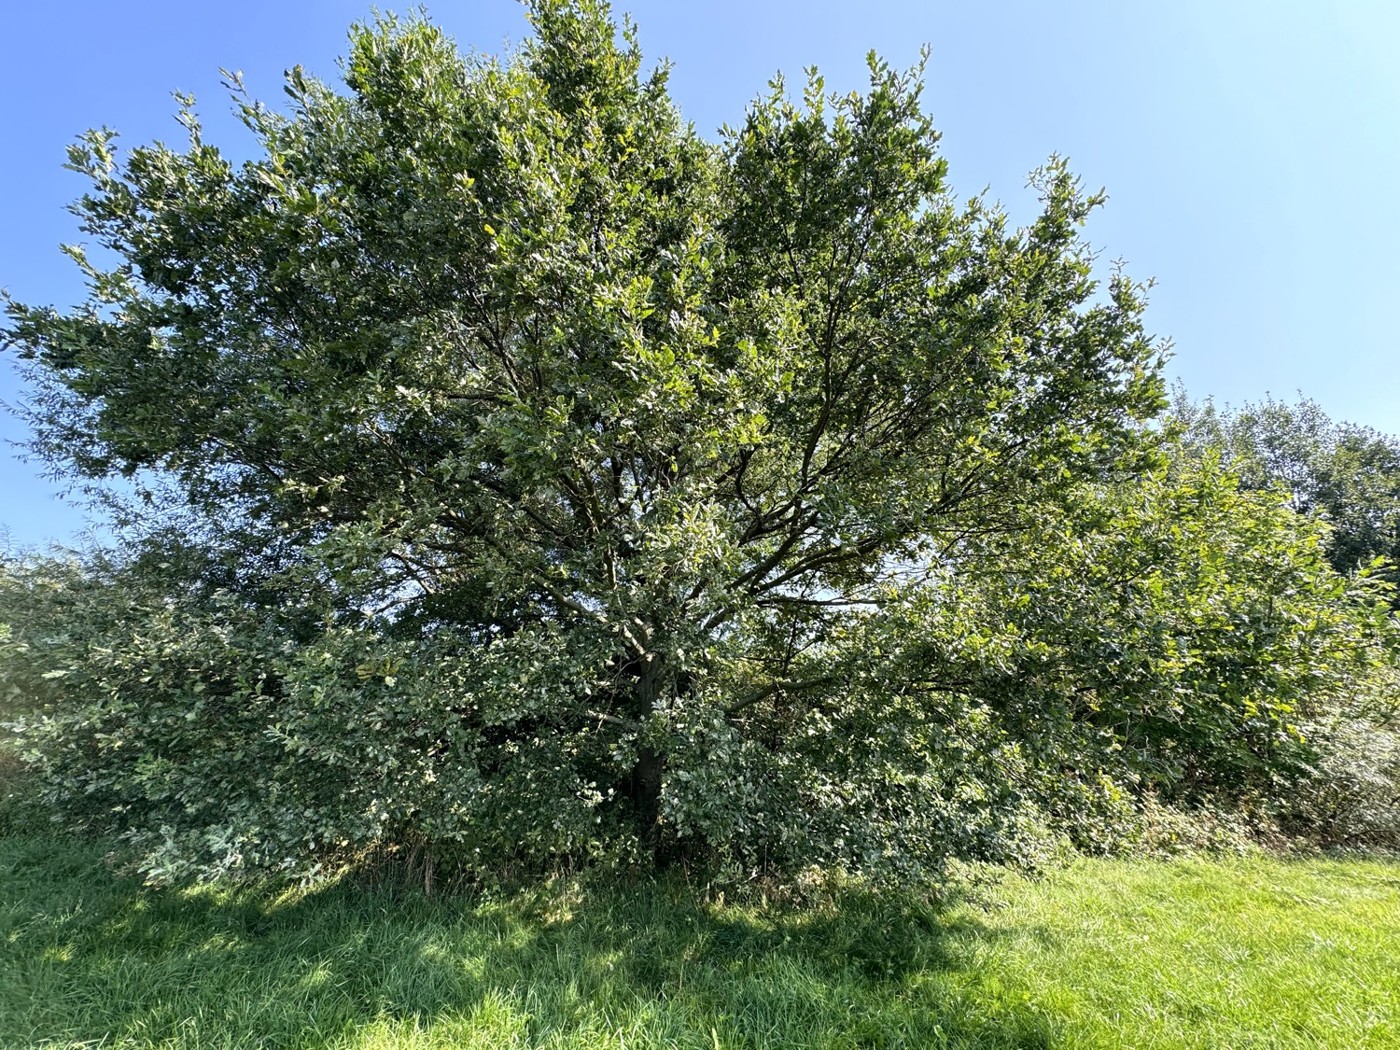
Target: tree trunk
(650, 765)
(646, 792)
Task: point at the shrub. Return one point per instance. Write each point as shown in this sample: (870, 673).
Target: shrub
(1349, 793)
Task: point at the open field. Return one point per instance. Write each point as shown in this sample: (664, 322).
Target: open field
(1251, 952)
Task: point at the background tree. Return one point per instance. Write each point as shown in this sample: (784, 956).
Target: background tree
(1346, 473)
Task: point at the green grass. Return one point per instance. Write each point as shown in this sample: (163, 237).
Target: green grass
(1253, 952)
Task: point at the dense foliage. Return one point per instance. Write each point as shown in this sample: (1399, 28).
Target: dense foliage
(539, 482)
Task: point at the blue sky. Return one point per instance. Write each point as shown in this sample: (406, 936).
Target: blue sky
(1250, 149)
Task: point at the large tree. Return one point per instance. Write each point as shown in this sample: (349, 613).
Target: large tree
(500, 371)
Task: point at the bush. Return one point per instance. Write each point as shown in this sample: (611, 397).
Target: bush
(1349, 794)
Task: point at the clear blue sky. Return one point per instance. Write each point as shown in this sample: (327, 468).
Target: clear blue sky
(1250, 149)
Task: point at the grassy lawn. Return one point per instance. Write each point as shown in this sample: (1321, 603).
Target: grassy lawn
(1212, 953)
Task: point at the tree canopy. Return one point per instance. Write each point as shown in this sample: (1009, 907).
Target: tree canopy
(550, 480)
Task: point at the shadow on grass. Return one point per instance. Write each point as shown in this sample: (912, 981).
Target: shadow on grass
(87, 959)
